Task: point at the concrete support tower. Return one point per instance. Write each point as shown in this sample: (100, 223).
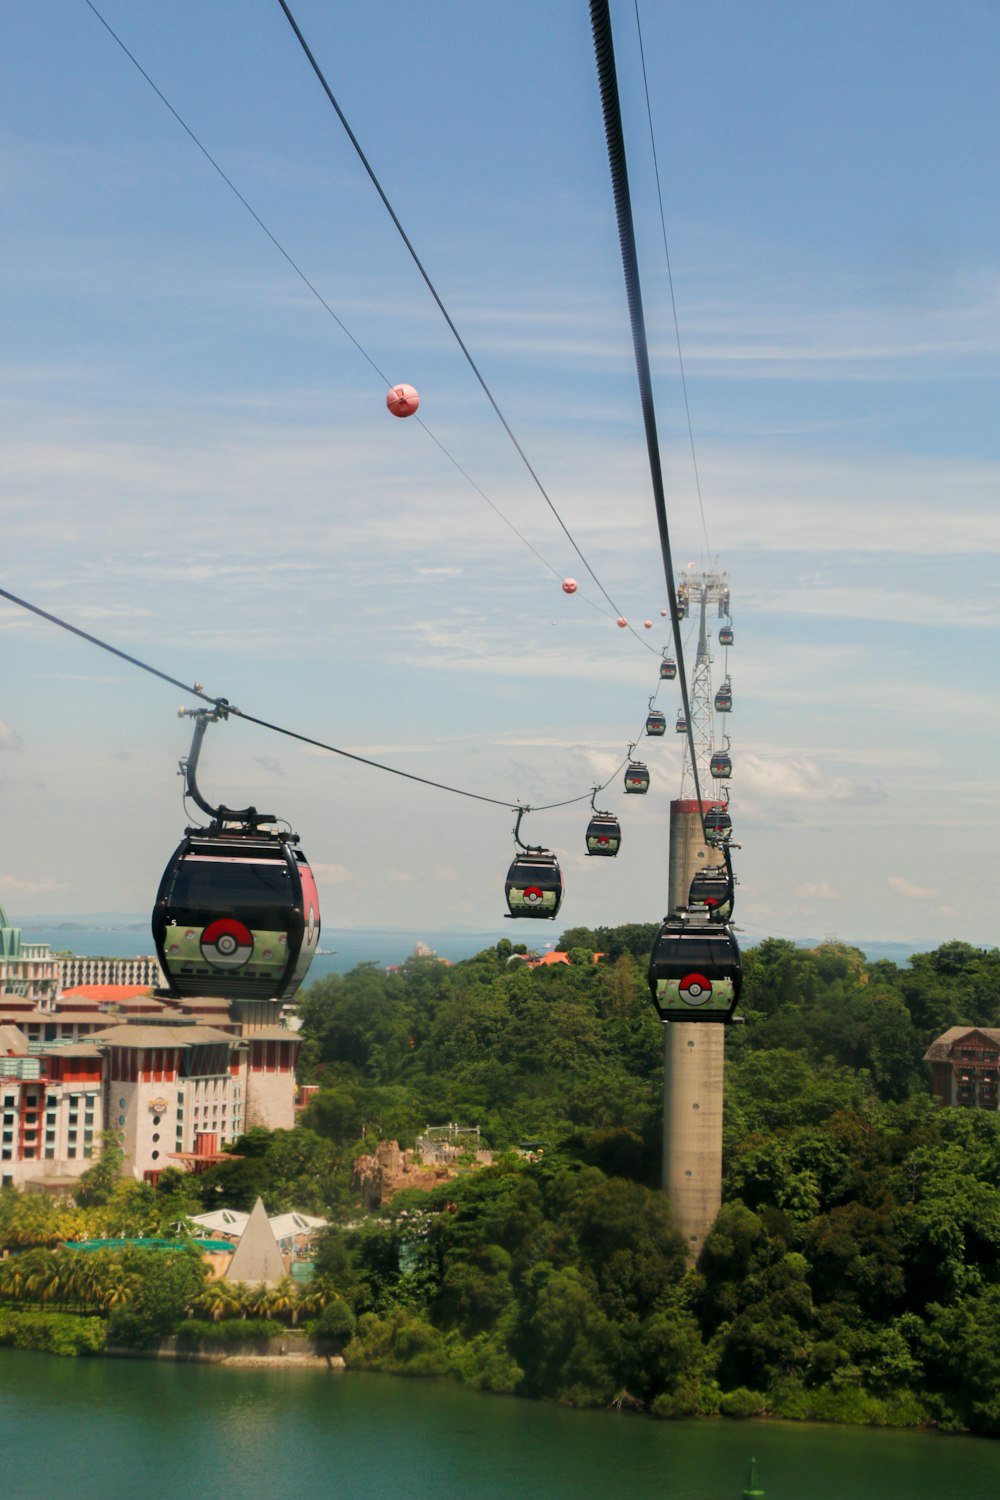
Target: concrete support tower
(693, 1060)
(693, 1054)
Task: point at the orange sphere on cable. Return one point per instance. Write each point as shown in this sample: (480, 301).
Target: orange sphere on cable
(569, 585)
(402, 400)
(622, 622)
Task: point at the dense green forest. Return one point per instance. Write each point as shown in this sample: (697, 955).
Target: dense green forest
(853, 1273)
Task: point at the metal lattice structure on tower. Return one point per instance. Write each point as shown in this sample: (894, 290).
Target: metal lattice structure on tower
(697, 591)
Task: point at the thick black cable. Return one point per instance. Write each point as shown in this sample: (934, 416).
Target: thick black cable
(670, 283)
(197, 691)
(95, 640)
(447, 316)
(611, 105)
(300, 273)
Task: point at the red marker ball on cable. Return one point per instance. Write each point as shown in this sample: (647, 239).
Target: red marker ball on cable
(569, 585)
(622, 622)
(402, 400)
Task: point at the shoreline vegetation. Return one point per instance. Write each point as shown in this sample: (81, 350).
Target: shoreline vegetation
(853, 1274)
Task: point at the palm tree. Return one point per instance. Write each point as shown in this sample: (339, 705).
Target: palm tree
(117, 1285)
(285, 1300)
(315, 1295)
(41, 1276)
(260, 1301)
(219, 1299)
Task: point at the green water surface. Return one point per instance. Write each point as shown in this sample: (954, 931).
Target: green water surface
(121, 1428)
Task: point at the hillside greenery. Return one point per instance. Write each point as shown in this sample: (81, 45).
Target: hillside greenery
(852, 1275)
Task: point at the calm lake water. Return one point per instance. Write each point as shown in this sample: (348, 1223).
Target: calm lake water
(113, 1428)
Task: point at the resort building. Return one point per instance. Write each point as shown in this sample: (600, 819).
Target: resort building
(28, 972)
(965, 1063)
(173, 1078)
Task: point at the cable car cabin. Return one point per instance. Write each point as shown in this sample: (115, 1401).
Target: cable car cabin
(668, 669)
(724, 698)
(681, 726)
(695, 971)
(721, 766)
(718, 826)
(726, 635)
(637, 778)
(713, 889)
(656, 722)
(236, 915)
(604, 834)
(534, 885)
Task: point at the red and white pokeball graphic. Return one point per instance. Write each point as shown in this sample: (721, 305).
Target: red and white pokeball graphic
(532, 895)
(226, 944)
(603, 841)
(694, 989)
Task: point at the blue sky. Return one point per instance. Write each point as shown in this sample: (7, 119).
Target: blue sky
(199, 466)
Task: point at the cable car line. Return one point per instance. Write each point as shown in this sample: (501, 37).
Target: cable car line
(670, 283)
(611, 106)
(311, 287)
(229, 709)
(447, 316)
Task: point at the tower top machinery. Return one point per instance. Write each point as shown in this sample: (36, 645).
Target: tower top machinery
(697, 593)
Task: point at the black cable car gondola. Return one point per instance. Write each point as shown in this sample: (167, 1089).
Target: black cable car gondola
(668, 669)
(604, 834)
(681, 726)
(695, 971)
(534, 885)
(637, 778)
(237, 912)
(724, 698)
(683, 602)
(656, 722)
(721, 765)
(718, 826)
(726, 635)
(714, 889)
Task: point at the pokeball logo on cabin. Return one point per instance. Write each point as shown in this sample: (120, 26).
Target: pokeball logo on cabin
(532, 895)
(694, 989)
(226, 944)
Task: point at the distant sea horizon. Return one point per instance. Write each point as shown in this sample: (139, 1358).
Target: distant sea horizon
(127, 935)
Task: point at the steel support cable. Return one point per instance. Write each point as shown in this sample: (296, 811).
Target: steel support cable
(611, 105)
(311, 287)
(197, 691)
(447, 316)
(670, 283)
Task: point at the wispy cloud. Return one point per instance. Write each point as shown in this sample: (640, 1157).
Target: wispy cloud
(907, 889)
(819, 891)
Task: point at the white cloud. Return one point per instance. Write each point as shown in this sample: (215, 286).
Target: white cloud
(819, 891)
(797, 779)
(904, 887)
(334, 874)
(30, 887)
